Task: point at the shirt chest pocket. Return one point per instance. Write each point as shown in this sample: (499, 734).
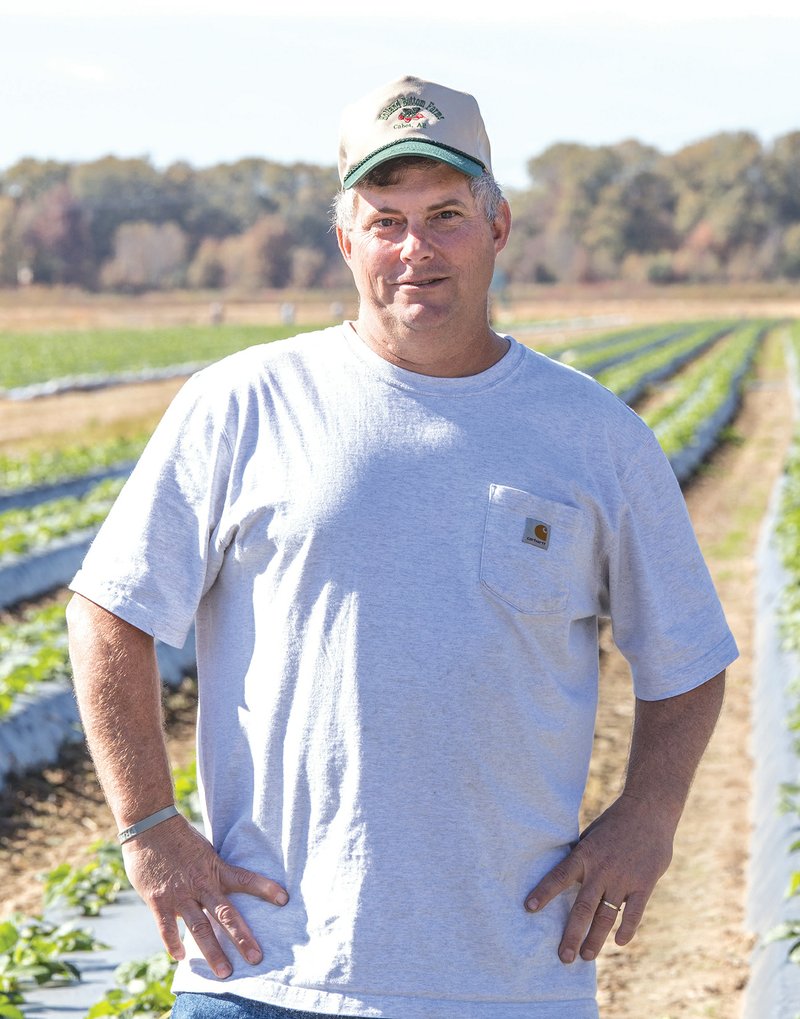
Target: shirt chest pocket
(531, 552)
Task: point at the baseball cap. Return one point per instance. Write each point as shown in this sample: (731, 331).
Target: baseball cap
(412, 117)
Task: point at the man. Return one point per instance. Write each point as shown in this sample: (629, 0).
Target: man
(397, 537)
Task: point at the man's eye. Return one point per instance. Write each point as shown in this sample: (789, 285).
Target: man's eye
(448, 214)
(385, 223)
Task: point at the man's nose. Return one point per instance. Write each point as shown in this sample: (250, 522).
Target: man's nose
(416, 245)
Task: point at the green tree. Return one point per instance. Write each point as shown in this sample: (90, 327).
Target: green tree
(790, 253)
(721, 182)
(30, 178)
(115, 191)
(782, 171)
(9, 248)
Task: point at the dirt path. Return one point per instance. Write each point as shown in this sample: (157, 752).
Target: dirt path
(54, 817)
(690, 959)
(84, 416)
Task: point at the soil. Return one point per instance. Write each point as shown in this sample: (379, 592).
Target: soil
(57, 815)
(86, 416)
(690, 958)
(691, 955)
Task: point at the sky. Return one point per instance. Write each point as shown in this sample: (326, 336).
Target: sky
(211, 81)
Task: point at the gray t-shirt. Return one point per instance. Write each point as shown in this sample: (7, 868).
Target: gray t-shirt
(396, 581)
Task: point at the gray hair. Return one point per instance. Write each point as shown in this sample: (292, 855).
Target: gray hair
(485, 190)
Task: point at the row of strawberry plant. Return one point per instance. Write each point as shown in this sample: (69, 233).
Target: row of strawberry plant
(578, 346)
(621, 348)
(33, 650)
(25, 530)
(33, 949)
(631, 379)
(32, 954)
(787, 537)
(36, 358)
(38, 714)
(707, 398)
(50, 466)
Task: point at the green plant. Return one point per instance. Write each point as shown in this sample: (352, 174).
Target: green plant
(25, 530)
(30, 950)
(30, 358)
(48, 466)
(185, 783)
(8, 1006)
(143, 989)
(90, 887)
(663, 360)
(586, 354)
(705, 388)
(788, 931)
(787, 533)
(33, 649)
(627, 339)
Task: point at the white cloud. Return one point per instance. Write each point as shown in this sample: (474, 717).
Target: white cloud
(80, 71)
(503, 11)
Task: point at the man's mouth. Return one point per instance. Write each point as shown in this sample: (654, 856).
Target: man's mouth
(419, 283)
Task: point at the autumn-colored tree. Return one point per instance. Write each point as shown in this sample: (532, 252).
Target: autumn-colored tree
(207, 271)
(260, 257)
(54, 238)
(725, 207)
(147, 256)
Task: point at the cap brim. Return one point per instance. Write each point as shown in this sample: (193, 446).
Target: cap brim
(414, 147)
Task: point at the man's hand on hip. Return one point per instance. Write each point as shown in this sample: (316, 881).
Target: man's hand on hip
(177, 873)
(624, 852)
(617, 863)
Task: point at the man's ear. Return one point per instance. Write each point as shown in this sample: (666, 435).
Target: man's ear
(345, 245)
(501, 227)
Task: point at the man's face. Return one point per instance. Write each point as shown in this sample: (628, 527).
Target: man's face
(422, 252)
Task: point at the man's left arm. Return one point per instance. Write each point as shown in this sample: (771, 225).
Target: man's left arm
(624, 852)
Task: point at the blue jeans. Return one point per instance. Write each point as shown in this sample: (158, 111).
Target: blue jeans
(230, 1006)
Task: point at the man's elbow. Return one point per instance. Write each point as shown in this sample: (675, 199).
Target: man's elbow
(89, 624)
(84, 619)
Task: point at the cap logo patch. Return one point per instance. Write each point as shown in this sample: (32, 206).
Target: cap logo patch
(537, 533)
(411, 108)
(409, 113)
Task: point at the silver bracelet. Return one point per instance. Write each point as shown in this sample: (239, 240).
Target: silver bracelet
(147, 822)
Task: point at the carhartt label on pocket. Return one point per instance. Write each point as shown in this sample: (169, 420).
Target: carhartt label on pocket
(537, 533)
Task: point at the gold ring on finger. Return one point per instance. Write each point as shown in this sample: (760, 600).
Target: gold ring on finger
(610, 905)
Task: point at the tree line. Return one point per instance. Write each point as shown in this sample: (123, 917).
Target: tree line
(726, 208)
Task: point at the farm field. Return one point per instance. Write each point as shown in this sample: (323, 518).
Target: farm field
(691, 956)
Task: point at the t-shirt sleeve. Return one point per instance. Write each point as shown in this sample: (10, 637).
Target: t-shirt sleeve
(666, 617)
(162, 544)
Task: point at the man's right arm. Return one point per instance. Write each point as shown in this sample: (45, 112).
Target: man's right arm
(172, 867)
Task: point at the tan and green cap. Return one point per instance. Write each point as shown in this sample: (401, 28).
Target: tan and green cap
(412, 117)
